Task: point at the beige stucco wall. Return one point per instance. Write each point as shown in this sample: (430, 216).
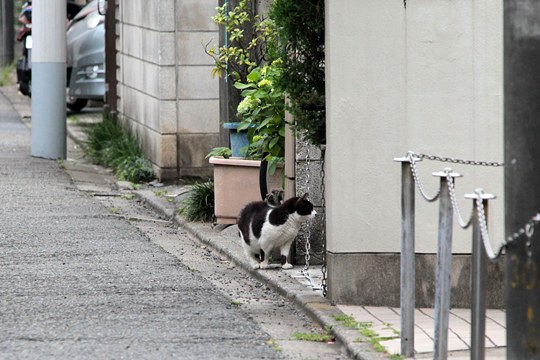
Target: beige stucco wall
(427, 78)
(166, 93)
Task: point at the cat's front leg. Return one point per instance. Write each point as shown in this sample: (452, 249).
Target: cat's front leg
(264, 261)
(285, 250)
(254, 262)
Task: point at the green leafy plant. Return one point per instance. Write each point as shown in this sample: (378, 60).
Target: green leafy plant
(300, 28)
(199, 203)
(5, 73)
(262, 114)
(248, 40)
(220, 151)
(108, 145)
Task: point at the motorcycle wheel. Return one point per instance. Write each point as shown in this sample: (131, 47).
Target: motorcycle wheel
(76, 104)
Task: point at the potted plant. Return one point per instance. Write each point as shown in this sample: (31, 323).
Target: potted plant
(248, 39)
(262, 111)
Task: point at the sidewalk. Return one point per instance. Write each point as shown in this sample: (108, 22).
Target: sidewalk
(291, 284)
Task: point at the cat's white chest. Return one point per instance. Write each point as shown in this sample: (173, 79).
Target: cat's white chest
(280, 234)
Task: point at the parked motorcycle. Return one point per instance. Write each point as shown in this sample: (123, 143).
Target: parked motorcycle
(24, 64)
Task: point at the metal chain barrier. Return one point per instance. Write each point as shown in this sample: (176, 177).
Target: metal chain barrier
(323, 220)
(527, 230)
(307, 256)
(412, 160)
(456, 161)
(453, 201)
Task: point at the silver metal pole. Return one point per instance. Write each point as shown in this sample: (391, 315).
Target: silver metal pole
(478, 283)
(49, 79)
(407, 273)
(444, 267)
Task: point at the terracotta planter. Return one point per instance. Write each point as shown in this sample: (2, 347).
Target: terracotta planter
(236, 183)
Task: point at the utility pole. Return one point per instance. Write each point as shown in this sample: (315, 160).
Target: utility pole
(49, 79)
(7, 32)
(522, 175)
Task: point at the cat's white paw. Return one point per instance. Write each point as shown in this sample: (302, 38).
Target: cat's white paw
(264, 265)
(286, 266)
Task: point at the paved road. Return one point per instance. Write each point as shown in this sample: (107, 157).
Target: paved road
(78, 282)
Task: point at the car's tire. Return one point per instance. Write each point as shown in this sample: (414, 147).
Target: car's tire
(76, 104)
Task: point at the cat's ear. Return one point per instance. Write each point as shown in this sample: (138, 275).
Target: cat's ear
(304, 197)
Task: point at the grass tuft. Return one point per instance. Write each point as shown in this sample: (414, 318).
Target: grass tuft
(5, 73)
(108, 145)
(199, 203)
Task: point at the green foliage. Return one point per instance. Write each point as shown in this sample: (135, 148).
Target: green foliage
(250, 39)
(108, 145)
(199, 204)
(262, 114)
(135, 169)
(300, 28)
(5, 72)
(326, 336)
(347, 321)
(220, 151)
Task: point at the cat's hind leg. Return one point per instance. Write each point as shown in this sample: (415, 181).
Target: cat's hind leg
(285, 251)
(254, 262)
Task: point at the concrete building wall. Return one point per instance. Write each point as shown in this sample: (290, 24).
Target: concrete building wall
(425, 77)
(166, 93)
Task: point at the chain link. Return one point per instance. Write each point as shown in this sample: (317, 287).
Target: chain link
(484, 229)
(453, 200)
(323, 221)
(412, 161)
(308, 231)
(527, 230)
(457, 161)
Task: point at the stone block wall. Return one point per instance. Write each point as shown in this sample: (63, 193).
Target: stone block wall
(166, 94)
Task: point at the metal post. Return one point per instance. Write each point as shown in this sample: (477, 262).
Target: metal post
(49, 79)
(444, 267)
(478, 282)
(407, 271)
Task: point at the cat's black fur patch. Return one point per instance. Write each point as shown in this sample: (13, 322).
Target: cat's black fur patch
(261, 258)
(256, 210)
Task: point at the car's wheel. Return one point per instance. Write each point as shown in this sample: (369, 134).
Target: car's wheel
(76, 104)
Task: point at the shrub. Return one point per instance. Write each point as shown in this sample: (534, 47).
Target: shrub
(250, 40)
(108, 145)
(300, 28)
(262, 114)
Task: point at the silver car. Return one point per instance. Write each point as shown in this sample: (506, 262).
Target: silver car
(86, 57)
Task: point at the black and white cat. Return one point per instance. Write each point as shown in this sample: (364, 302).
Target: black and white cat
(264, 227)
